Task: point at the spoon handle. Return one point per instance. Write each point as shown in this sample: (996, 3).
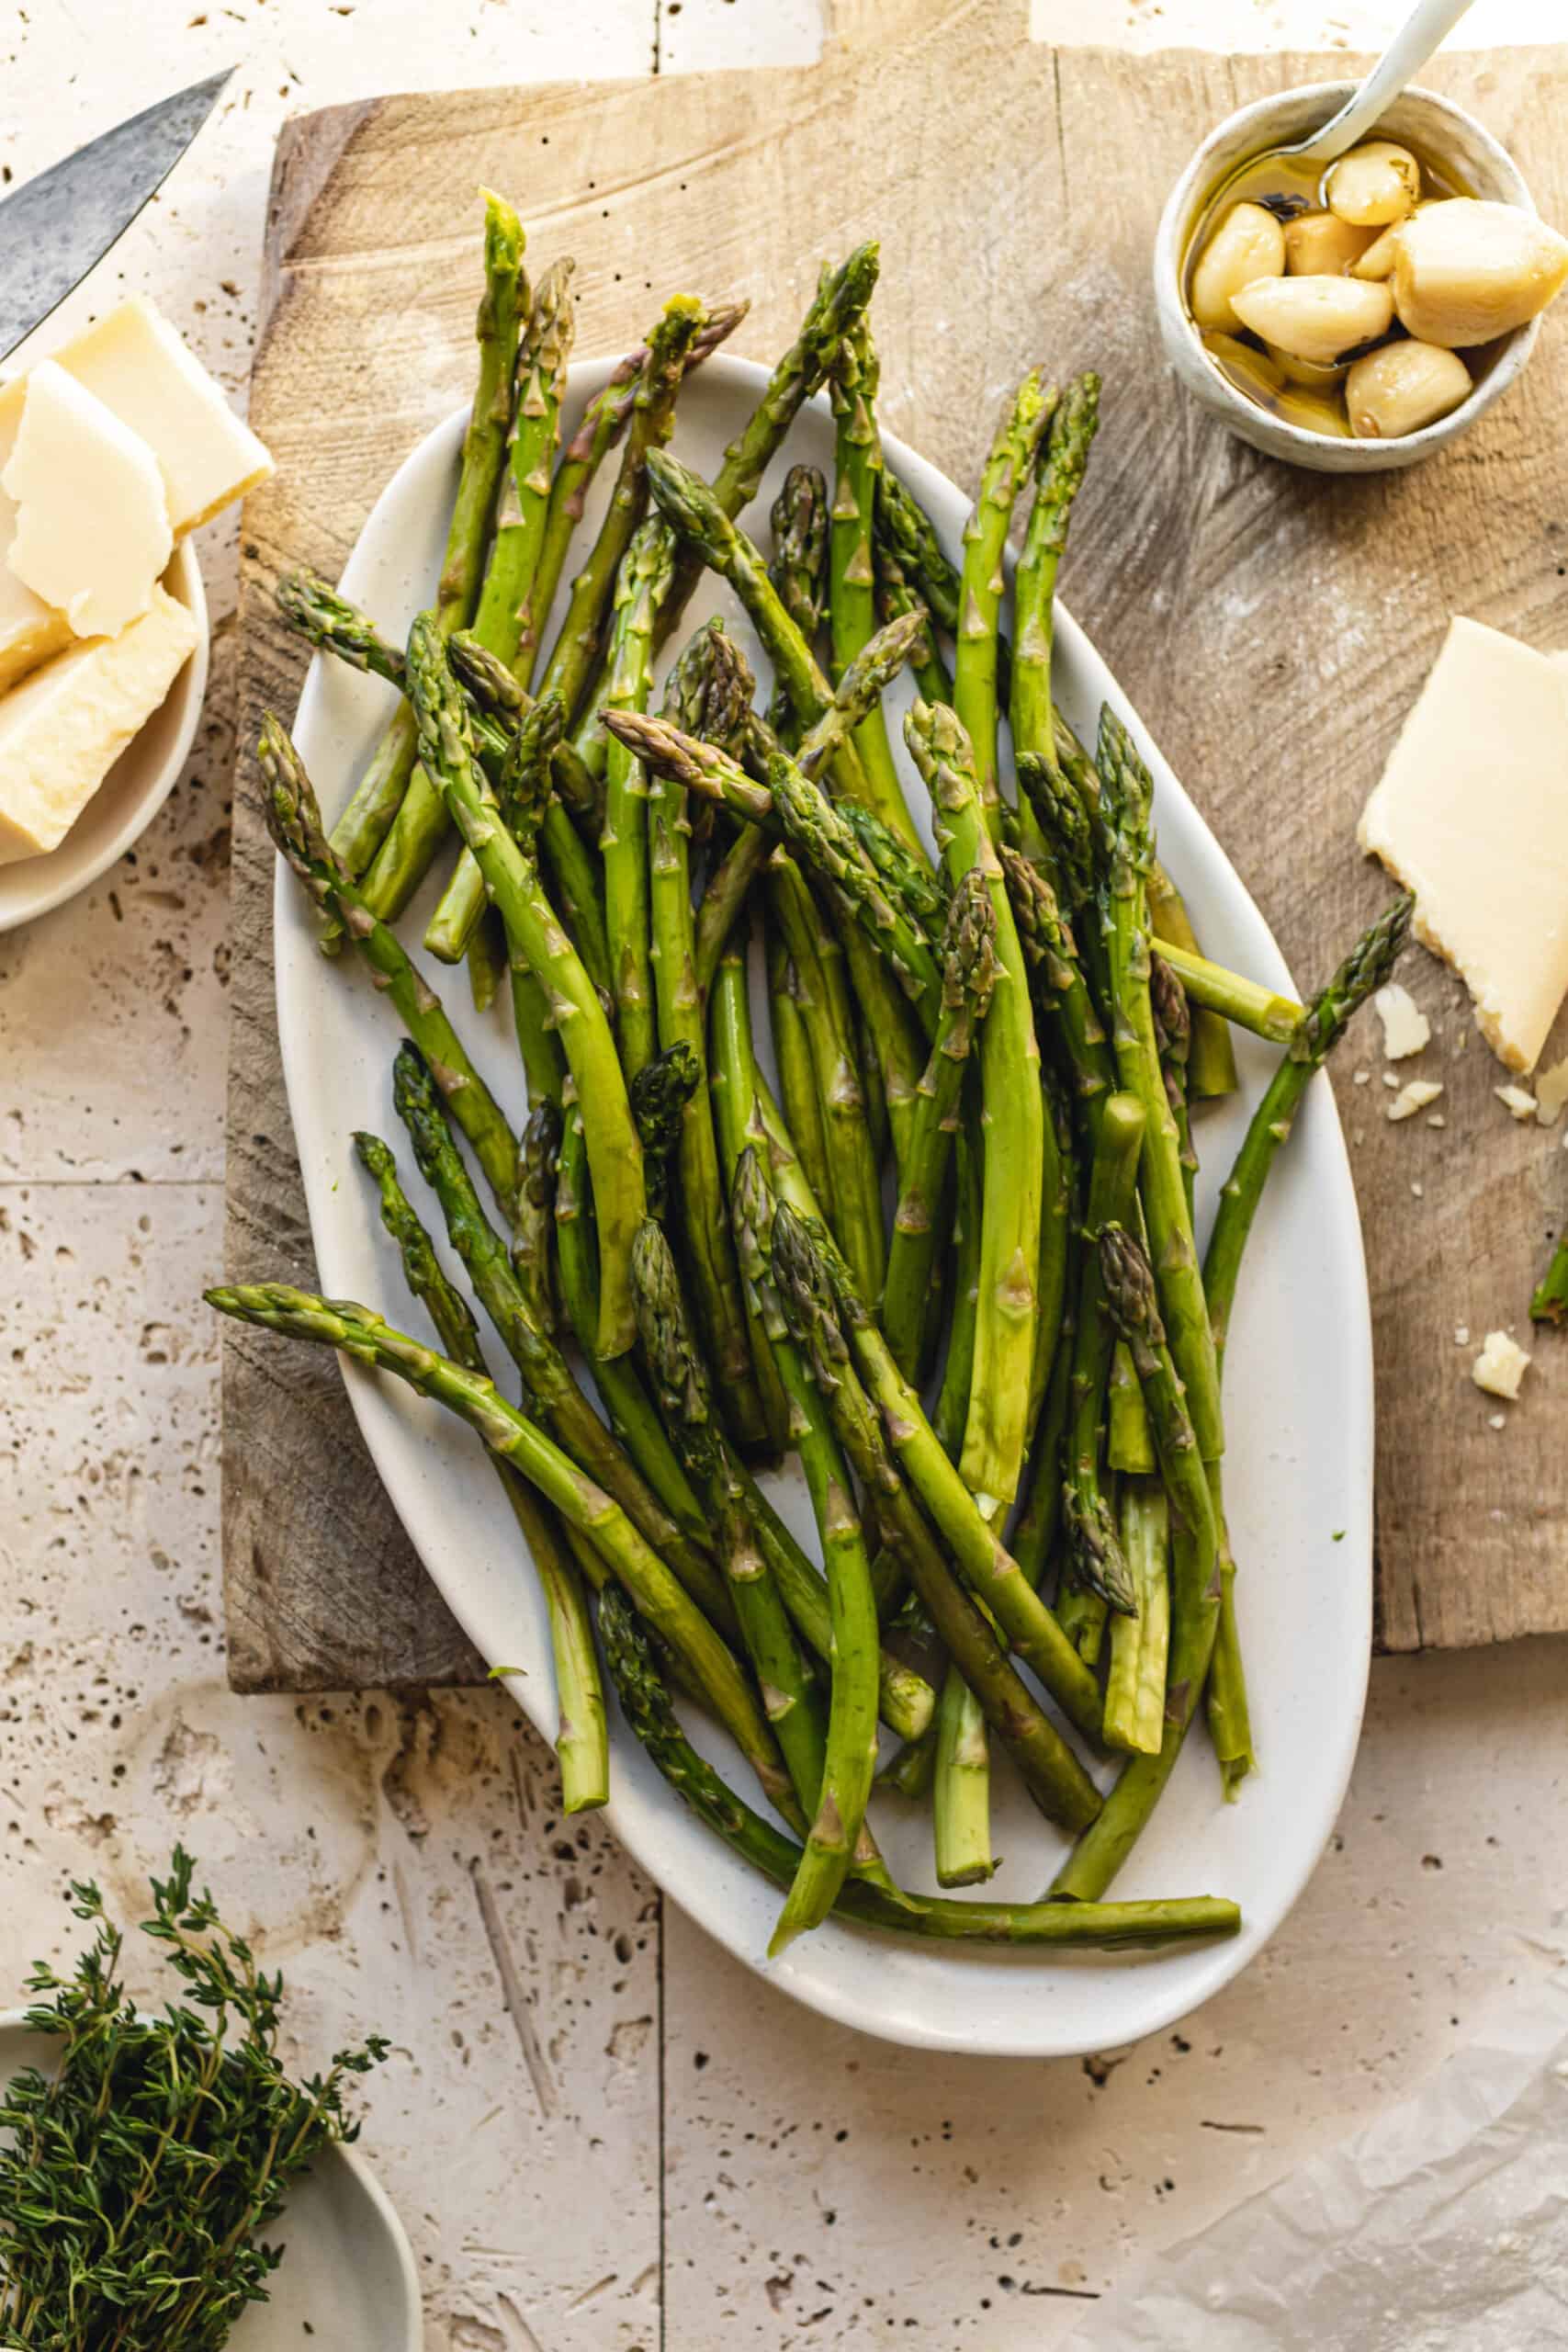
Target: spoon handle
(1428, 26)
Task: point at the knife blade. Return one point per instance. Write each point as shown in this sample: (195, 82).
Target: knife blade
(59, 224)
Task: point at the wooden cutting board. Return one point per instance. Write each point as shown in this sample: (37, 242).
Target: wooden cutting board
(1272, 627)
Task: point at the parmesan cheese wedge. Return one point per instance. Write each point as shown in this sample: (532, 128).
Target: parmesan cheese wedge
(92, 534)
(135, 363)
(1471, 814)
(63, 728)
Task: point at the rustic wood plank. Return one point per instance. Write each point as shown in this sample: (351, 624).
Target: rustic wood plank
(1272, 626)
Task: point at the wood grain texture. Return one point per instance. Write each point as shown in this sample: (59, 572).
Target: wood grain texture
(1272, 627)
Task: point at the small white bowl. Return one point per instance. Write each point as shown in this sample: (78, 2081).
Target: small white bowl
(1446, 132)
(135, 787)
(347, 2281)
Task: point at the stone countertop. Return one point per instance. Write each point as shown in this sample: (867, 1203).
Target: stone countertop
(662, 2149)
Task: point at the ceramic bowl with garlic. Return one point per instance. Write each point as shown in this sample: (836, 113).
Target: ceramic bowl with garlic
(1353, 318)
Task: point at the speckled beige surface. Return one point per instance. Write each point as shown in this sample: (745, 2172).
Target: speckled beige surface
(650, 2117)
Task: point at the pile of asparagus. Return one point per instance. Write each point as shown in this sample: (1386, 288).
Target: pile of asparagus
(952, 1264)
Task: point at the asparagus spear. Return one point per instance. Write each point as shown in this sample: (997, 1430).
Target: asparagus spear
(1020, 1145)
(1368, 964)
(1549, 1302)
(961, 1788)
(511, 879)
(1050, 1770)
(1213, 1070)
(1194, 1591)
(1061, 459)
(861, 683)
(326, 619)
(640, 585)
(909, 532)
(789, 1695)
(851, 1753)
(294, 820)
(799, 568)
(710, 691)
(791, 806)
(360, 831)
(553, 1393)
(1173, 1040)
(809, 1268)
(897, 599)
(791, 997)
(1134, 1687)
(969, 976)
(508, 618)
(1107, 1926)
(745, 1115)
(653, 415)
(851, 602)
(657, 1594)
(533, 1242)
(1211, 988)
(925, 894)
(581, 1740)
(985, 540)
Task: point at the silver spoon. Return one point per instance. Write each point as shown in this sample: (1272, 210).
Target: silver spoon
(1426, 26)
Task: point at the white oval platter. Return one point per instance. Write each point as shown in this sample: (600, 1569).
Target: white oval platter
(1298, 1390)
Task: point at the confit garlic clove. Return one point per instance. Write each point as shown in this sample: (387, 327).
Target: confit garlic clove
(1403, 387)
(1379, 258)
(1500, 1367)
(1248, 243)
(1314, 318)
(1373, 184)
(1466, 271)
(1319, 244)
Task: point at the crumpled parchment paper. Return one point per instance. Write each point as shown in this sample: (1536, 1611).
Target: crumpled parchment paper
(1441, 2227)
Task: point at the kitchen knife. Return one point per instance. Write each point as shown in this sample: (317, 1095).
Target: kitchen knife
(54, 229)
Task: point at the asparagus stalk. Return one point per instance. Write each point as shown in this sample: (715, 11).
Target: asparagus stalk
(1213, 1070)
(961, 1788)
(861, 683)
(1105, 1926)
(511, 879)
(1194, 1597)
(640, 583)
(851, 604)
(710, 689)
(294, 820)
(1370, 964)
(1210, 988)
(1020, 1147)
(791, 998)
(1060, 463)
(810, 1269)
(1134, 1686)
(1549, 1302)
(1049, 1769)
(789, 1694)
(896, 599)
(851, 1753)
(1173, 1040)
(360, 831)
(1006, 468)
(969, 976)
(533, 1242)
(553, 1394)
(508, 618)
(581, 1740)
(657, 1594)
(799, 568)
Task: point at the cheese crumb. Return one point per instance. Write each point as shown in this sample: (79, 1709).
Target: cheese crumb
(1517, 1100)
(1419, 1191)
(1389, 1081)
(1436, 1119)
(1550, 1093)
(1362, 1078)
(1461, 1335)
(1496, 1421)
(1405, 1028)
(1500, 1367)
(1414, 1097)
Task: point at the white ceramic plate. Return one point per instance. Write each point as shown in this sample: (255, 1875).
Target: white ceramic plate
(1298, 1386)
(347, 2279)
(135, 787)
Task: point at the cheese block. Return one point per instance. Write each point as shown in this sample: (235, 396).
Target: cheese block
(63, 728)
(1471, 814)
(136, 364)
(92, 534)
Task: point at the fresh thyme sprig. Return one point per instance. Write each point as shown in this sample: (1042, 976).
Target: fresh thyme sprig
(142, 2166)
